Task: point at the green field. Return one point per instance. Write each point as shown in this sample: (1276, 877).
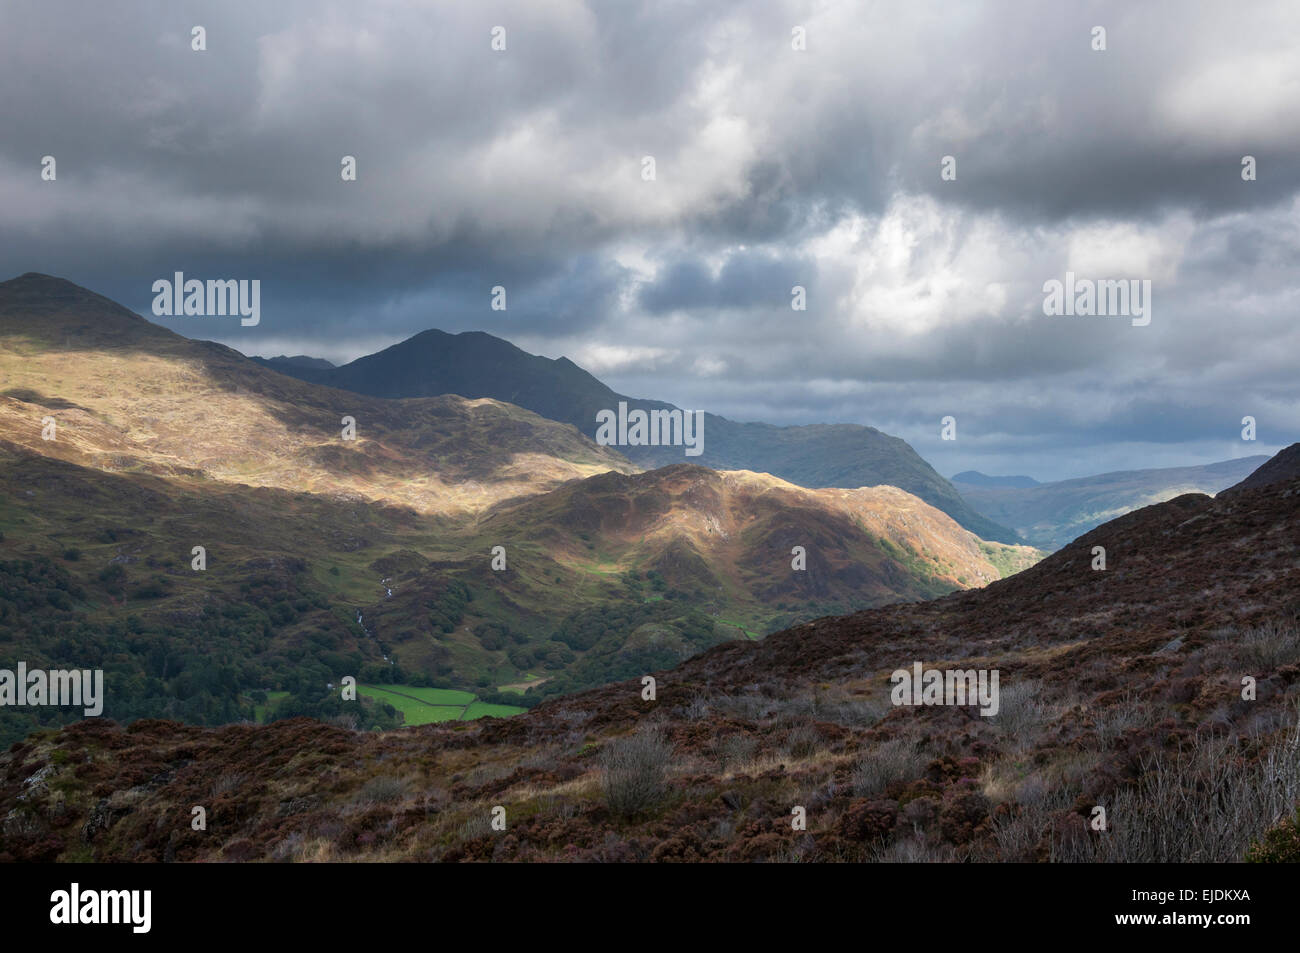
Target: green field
(484, 710)
(259, 711)
(423, 706)
(430, 696)
(749, 635)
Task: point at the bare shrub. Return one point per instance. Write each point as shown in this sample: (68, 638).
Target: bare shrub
(635, 771)
(227, 781)
(1018, 833)
(1272, 645)
(803, 741)
(696, 709)
(1205, 804)
(346, 720)
(1021, 712)
(735, 751)
(886, 763)
(381, 790)
(914, 850)
(475, 826)
(1114, 722)
(750, 707)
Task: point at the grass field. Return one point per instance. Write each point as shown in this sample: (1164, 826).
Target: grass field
(423, 706)
(430, 696)
(484, 710)
(259, 711)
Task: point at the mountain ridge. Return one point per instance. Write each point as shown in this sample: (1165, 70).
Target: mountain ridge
(1052, 514)
(477, 364)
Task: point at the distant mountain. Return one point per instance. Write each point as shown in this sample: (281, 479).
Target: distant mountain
(299, 360)
(975, 478)
(474, 364)
(1050, 515)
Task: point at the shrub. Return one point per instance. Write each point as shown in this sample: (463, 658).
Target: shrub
(1272, 645)
(1021, 713)
(1279, 845)
(635, 771)
(381, 790)
(1206, 804)
(803, 741)
(736, 750)
(881, 767)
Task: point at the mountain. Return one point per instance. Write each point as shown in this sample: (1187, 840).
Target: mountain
(1120, 688)
(129, 395)
(299, 360)
(974, 478)
(375, 557)
(1284, 468)
(1049, 515)
(475, 365)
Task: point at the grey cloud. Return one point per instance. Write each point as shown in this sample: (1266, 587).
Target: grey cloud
(522, 169)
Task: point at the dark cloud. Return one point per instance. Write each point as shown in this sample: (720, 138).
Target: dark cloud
(774, 167)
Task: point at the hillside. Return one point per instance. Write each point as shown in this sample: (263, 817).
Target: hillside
(476, 365)
(1049, 515)
(1120, 688)
(374, 558)
(973, 478)
(128, 395)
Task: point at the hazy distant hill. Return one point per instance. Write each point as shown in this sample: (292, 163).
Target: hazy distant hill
(475, 364)
(298, 360)
(1049, 515)
(975, 478)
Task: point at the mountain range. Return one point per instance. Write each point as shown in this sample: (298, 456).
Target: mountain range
(477, 365)
(461, 544)
(1050, 515)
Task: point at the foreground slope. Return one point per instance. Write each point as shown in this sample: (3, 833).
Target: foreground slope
(1120, 688)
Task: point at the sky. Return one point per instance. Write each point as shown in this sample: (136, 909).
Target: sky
(774, 167)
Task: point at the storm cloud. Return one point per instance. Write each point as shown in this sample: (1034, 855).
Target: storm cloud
(774, 167)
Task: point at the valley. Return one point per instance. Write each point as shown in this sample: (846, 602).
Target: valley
(373, 557)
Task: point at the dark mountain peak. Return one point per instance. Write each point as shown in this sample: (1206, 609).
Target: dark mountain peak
(36, 287)
(61, 313)
(1283, 467)
(975, 478)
